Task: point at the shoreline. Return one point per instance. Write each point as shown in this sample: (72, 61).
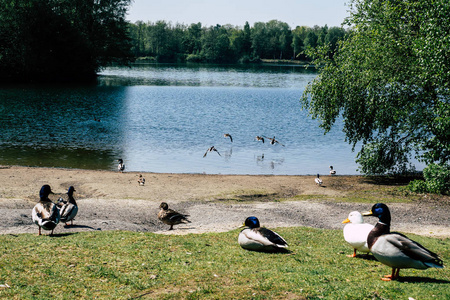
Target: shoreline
(110, 200)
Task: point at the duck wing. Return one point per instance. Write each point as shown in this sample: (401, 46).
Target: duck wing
(175, 217)
(414, 250)
(68, 212)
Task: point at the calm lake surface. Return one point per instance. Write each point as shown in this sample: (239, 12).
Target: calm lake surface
(162, 118)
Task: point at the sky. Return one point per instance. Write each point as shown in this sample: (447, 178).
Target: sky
(237, 12)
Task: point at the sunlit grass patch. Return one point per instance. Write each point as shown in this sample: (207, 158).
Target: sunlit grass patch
(126, 265)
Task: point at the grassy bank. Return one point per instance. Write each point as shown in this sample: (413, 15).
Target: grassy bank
(129, 265)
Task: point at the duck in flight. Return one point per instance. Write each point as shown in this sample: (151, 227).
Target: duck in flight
(260, 138)
(210, 149)
(227, 135)
(273, 141)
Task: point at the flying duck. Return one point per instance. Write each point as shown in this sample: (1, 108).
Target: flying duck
(318, 181)
(171, 217)
(259, 138)
(395, 249)
(121, 165)
(356, 232)
(45, 213)
(210, 149)
(273, 141)
(256, 238)
(332, 171)
(227, 135)
(68, 209)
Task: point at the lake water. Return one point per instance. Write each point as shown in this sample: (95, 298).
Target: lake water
(162, 118)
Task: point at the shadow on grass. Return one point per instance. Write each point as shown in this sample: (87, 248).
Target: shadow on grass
(416, 279)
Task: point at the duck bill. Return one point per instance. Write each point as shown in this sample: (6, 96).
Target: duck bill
(346, 221)
(367, 213)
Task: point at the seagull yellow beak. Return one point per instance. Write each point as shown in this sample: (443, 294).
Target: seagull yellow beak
(346, 221)
(368, 213)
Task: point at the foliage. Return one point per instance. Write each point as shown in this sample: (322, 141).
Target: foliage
(390, 83)
(226, 43)
(61, 40)
(132, 265)
(437, 180)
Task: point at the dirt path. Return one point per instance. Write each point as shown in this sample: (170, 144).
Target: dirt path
(114, 201)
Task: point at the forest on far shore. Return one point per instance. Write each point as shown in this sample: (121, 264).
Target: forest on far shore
(163, 42)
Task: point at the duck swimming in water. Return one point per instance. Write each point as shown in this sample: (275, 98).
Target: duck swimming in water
(395, 249)
(257, 238)
(45, 213)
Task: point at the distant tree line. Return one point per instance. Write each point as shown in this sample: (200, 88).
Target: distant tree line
(54, 40)
(163, 41)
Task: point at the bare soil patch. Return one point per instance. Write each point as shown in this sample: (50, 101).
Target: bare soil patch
(114, 201)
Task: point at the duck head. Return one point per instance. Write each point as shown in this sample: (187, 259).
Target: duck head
(252, 222)
(45, 191)
(381, 211)
(355, 217)
(71, 190)
(164, 205)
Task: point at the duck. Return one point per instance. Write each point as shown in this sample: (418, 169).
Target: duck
(171, 217)
(121, 165)
(273, 141)
(69, 209)
(356, 232)
(318, 181)
(45, 213)
(395, 249)
(141, 180)
(227, 135)
(259, 138)
(210, 149)
(256, 238)
(332, 171)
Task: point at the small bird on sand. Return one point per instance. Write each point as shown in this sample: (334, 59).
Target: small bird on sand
(121, 165)
(141, 180)
(318, 181)
(273, 141)
(259, 138)
(45, 213)
(332, 171)
(227, 135)
(210, 149)
(68, 209)
(171, 217)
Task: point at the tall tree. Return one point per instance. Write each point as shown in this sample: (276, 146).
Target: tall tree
(66, 39)
(390, 83)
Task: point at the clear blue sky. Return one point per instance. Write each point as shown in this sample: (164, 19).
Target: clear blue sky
(237, 12)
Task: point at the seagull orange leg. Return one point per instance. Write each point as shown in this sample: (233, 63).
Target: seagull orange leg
(393, 276)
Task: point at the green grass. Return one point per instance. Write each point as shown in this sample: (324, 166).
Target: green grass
(130, 265)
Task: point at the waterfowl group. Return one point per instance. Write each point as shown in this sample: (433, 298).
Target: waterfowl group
(395, 249)
(356, 232)
(256, 238)
(171, 217)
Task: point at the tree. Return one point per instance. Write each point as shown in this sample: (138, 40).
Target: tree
(389, 81)
(61, 40)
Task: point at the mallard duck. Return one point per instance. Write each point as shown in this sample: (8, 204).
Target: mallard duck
(171, 217)
(45, 214)
(259, 138)
(318, 181)
(227, 135)
(395, 249)
(121, 165)
(210, 149)
(332, 171)
(68, 209)
(273, 141)
(141, 180)
(356, 232)
(257, 238)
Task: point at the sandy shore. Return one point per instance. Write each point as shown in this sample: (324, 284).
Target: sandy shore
(114, 201)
